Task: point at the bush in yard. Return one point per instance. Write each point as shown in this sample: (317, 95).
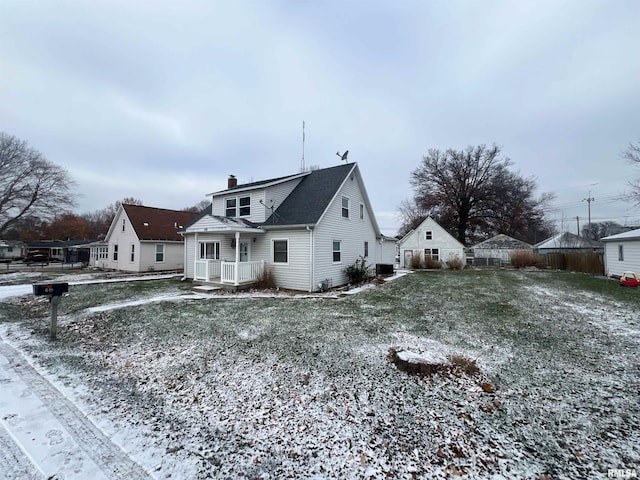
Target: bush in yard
(524, 258)
(359, 271)
(265, 279)
(432, 263)
(454, 263)
(416, 261)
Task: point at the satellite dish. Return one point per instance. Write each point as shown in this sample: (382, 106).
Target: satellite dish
(343, 156)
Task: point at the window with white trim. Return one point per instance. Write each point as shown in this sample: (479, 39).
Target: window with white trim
(123, 224)
(115, 253)
(280, 251)
(230, 207)
(361, 211)
(428, 235)
(100, 253)
(432, 253)
(245, 206)
(336, 251)
(133, 253)
(366, 249)
(159, 252)
(621, 253)
(345, 207)
(209, 251)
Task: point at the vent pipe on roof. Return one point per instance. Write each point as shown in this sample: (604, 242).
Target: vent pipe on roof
(232, 181)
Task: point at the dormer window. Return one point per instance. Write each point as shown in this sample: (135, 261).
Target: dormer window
(238, 207)
(230, 209)
(245, 206)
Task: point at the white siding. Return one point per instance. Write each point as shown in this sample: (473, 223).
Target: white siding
(352, 232)
(386, 251)
(448, 247)
(295, 274)
(631, 261)
(270, 196)
(190, 243)
(173, 256)
(124, 240)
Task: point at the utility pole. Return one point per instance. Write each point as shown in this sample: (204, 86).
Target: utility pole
(589, 199)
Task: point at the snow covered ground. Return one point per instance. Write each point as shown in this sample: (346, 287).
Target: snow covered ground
(170, 384)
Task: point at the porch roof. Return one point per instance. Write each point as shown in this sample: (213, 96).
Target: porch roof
(217, 224)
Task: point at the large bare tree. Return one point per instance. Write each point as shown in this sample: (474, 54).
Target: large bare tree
(30, 184)
(632, 155)
(473, 194)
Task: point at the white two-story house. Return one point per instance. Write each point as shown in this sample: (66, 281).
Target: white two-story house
(304, 228)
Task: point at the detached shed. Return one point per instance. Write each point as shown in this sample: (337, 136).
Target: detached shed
(568, 242)
(622, 253)
(498, 250)
(429, 241)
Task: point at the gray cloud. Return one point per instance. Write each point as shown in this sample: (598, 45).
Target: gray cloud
(162, 100)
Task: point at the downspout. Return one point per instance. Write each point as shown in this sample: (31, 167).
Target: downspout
(311, 260)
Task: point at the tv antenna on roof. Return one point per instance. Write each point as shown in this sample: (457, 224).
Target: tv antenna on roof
(271, 207)
(302, 166)
(343, 156)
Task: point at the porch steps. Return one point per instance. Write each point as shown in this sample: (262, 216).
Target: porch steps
(206, 288)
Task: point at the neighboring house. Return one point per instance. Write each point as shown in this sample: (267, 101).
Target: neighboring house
(142, 239)
(11, 249)
(44, 250)
(429, 240)
(498, 250)
(622, 253)
(303, 228)
(567, 242)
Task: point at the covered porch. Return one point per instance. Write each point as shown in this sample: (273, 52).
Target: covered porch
(213, 249)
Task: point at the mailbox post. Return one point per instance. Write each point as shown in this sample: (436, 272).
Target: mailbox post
(54, 291)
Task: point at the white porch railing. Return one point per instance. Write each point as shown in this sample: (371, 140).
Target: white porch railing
(246, 272)
(207, 269)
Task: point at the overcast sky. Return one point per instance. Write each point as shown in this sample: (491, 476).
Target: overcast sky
(163, 100)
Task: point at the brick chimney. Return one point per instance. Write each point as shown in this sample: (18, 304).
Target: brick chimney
(232, 181)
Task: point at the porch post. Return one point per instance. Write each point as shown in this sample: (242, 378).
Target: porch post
(236, 267)
(195, 256)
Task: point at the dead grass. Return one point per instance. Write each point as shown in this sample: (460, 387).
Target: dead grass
(525, 258)
(455, 263)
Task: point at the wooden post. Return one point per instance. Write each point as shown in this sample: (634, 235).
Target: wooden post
(53, 328)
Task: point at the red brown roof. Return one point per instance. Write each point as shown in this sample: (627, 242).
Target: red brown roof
(152, 223)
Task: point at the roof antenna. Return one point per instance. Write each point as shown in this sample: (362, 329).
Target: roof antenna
(302, 166)
(343, 156)
(274, 214)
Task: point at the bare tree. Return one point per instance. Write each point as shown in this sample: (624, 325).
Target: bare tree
(632, 155)
(198, 207)
(473, 194)
(30, 184)
(412, 216)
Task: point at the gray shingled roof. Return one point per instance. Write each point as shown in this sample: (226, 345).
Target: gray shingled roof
(502, 241)
(308, 201)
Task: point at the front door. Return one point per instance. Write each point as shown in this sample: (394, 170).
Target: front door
(244, 251)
